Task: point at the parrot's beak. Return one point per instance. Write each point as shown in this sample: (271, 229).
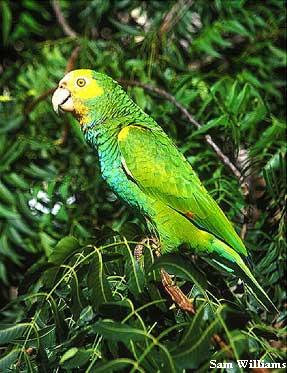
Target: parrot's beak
(62, 99)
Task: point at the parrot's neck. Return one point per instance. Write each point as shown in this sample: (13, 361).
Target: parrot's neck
(98, 133)
(114, 109)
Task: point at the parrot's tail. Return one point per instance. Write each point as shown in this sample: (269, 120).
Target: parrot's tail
(224, 257)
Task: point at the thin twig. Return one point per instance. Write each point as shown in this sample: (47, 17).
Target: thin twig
(72, 60)
(173, 16)
(31, 106)
(62, 21)
(64, 135)
(161, 92)
(244, 230)
(254, 189)
(223, 157)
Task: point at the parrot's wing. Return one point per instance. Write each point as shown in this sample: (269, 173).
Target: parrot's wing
(161, 171)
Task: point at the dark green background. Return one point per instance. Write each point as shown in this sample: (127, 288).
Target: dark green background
(222, 60)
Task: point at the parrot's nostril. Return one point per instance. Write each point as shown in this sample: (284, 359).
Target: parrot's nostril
(62, 84)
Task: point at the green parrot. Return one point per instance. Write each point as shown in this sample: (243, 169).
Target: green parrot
(145, 169)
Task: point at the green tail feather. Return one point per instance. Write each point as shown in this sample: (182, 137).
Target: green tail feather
(224, 257)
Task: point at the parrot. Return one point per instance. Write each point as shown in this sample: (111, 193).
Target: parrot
(145, 169)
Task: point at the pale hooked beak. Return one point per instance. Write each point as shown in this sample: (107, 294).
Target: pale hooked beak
(62, 98)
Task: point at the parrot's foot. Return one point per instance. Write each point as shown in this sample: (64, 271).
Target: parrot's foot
(150, 241)
(172, 290)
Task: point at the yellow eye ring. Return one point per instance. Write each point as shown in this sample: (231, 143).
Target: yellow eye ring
(81, 82)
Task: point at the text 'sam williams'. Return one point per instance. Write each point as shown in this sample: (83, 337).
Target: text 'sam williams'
(251, 364)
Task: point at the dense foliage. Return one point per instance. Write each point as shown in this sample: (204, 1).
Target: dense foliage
(73, 296)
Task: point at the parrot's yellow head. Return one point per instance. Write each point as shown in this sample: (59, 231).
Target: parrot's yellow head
(79, 92)
(92, 97)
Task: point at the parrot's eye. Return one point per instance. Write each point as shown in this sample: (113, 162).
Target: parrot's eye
(81, 82)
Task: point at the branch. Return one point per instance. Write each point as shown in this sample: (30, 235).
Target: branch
(175, 293)
(186, 305)
(186, 113)
(253, 190)
(62, 21)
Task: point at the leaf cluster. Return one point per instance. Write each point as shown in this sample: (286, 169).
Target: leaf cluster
(96, 309)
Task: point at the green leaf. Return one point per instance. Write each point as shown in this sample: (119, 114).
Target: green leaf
(86, 314)
(6, 20)
(60, 323)
(133, 271)
(236, 105)
(140, 97)
(75, 357)
(14, 152)
(3, 274)
(6, 195)
(20, 225)
(177, 265)
(220, 121)
(193, 329)
(148, 262)
(119, 332)
(125, 28)
(63, 250)
(115, 310)
(76, 296)
(280, 54)
(7, 213)
(37, 172)
(193, 353)
(30, 22)
(8, 359)
(69, 354)
(17, 181)
(232, 94)
(97, 282)
(10, 332)
(234, 26)
(114, 365)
